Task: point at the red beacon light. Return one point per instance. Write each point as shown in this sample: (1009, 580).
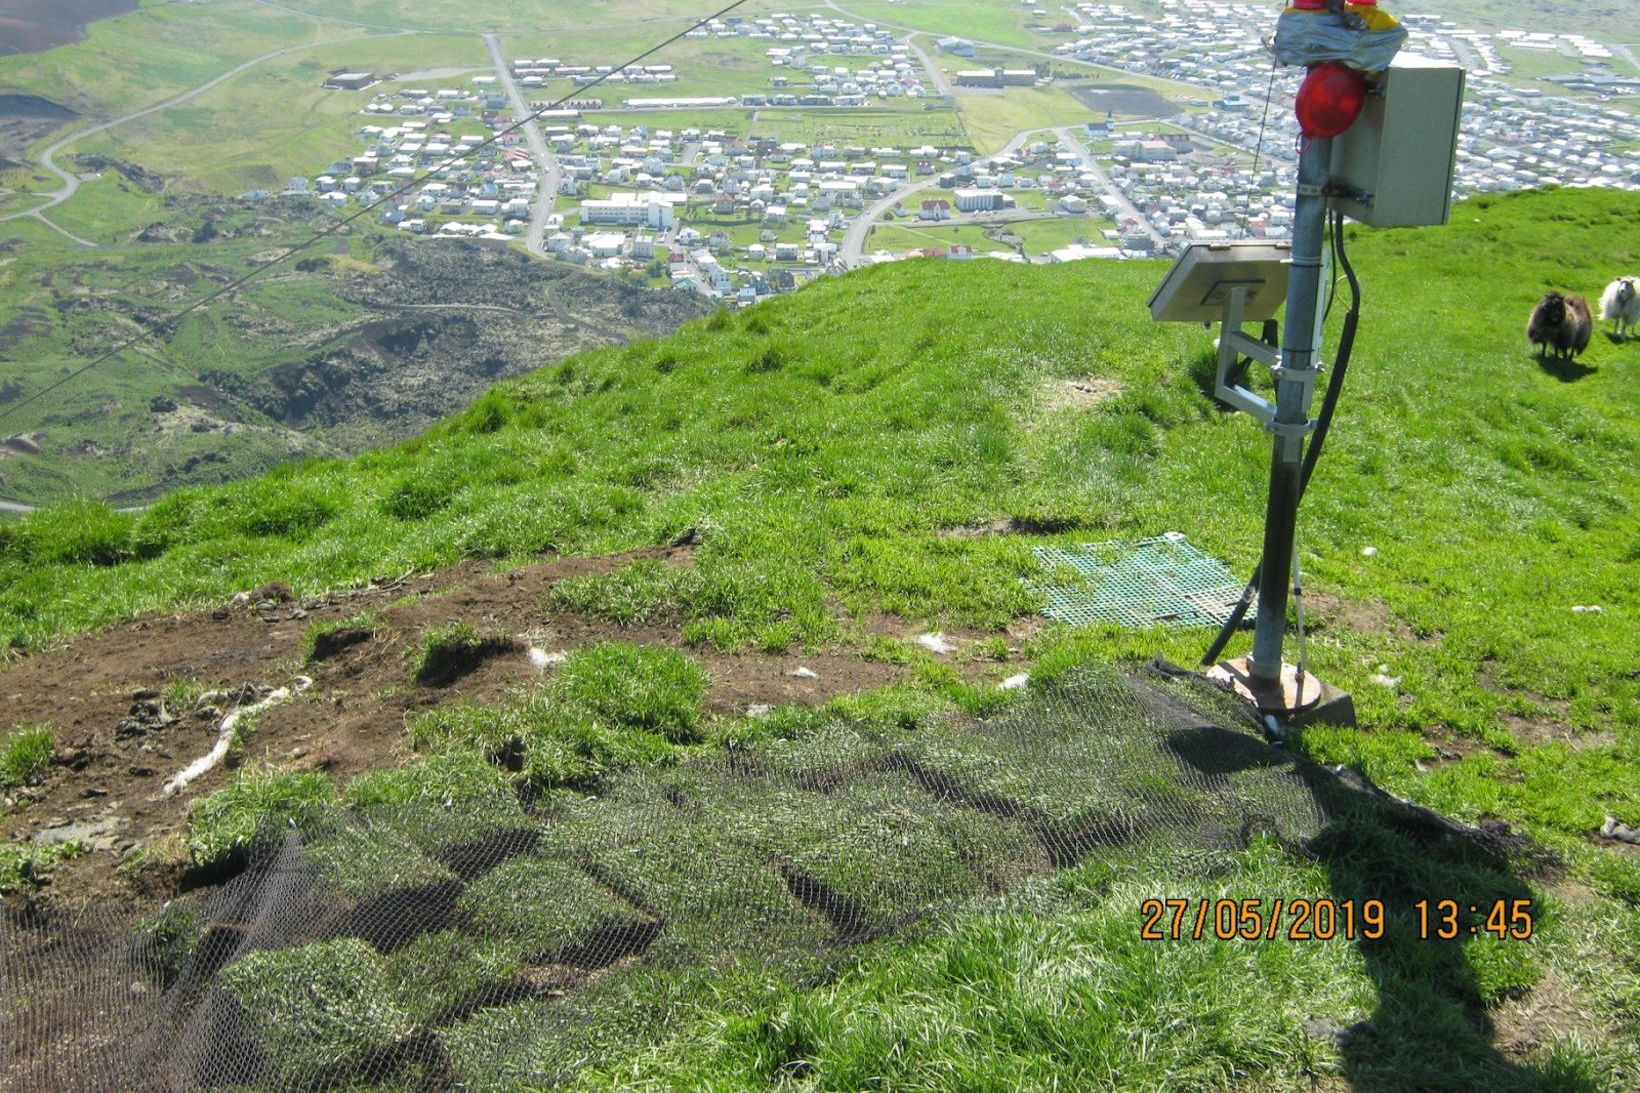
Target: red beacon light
(1330, 99)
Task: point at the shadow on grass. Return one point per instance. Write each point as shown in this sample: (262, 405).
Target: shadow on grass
(1564, 369)
(1432, 1029)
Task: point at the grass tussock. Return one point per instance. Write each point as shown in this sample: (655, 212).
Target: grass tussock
(223, 825)
(26, 755)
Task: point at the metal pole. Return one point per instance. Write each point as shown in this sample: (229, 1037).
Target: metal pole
(1295, 384)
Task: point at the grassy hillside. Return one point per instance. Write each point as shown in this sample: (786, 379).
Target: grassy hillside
(891, 445)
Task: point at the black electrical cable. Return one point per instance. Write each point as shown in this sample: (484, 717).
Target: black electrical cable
(1329, 405)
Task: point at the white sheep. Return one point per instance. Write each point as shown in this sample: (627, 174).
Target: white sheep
(1621, 304)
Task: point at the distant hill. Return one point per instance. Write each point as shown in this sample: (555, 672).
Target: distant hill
(357, 344)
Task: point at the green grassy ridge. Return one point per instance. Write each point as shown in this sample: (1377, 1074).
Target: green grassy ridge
(820, 443)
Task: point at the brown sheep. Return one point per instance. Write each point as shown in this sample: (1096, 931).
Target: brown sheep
(1560, 324)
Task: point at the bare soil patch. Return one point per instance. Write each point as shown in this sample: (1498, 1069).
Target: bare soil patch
(102, 694)
(1080, 393)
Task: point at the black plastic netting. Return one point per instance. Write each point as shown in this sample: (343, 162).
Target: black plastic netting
(490, 941)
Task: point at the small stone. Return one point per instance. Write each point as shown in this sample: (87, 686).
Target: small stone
(1369, 552)
(298, 613)
(1015, 683)
(1589, 609)
(144, 694)
(804, 673)
(94, 791)
(240, 599)
(1392, 682)
(1611, 829)
(759, 709)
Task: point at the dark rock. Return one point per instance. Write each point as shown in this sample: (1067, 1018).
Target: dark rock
(162, 405)
(273, 590)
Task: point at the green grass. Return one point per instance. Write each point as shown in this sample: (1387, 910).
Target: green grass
(650, 688)
(543, 909)
(26, 866)
(318, 1009)
(993, 118)
(819, 469)
(182, 695)
(443, 800)
(156, 52)
(224, 824)
(821, 449)
(273, 121)
(361, 862)
(26, 755)
(556, 744)
(326, 638)
(111, 444)
(442, 643)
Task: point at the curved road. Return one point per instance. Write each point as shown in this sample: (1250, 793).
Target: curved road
(854, 239)
(71, 182)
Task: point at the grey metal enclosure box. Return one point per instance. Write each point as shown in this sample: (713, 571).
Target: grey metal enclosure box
(1403, 149)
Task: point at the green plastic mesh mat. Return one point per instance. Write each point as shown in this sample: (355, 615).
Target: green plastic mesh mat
(1149, 582)
(510, 941)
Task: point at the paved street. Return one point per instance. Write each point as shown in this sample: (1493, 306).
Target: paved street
(548, 173)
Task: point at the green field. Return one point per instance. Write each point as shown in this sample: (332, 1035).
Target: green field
(905, 125)
(986, 20)
(993, 118)
(1042, 236)
(897, 238)
(1038, 236)
(275, 120)
(159, 51)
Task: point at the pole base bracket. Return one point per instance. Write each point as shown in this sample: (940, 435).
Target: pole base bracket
(1288, 700)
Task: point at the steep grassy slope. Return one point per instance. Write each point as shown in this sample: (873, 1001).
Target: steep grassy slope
(894, 442)
(824, 446)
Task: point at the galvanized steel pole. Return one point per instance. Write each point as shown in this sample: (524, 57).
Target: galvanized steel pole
(1295, 384)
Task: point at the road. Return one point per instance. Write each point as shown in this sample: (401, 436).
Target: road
(1128, 208)
(852, 251)
(71, 182)
(941, 84)
(548, 174)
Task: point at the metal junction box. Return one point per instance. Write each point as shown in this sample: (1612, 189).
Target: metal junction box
(1402, 151)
